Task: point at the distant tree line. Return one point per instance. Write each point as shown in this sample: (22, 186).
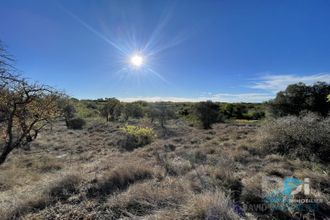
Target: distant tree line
(202, 113)
(298, 98)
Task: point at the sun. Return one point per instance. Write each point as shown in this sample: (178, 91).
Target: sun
(137, 60)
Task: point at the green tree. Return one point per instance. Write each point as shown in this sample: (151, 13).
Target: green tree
(319, 102)
(69, 112)
(208, 113)
(110, 109)
(300, 97)
(134, 110)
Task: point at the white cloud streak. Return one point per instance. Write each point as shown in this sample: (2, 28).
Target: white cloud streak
(271, 84)
(220, 97)
(276, 83)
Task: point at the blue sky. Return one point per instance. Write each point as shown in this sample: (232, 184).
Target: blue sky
(226, 50)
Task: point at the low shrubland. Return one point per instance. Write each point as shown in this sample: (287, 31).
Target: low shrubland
(305, 137)
(198, 174)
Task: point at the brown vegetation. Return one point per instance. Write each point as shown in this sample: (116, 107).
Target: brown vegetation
(192, 174)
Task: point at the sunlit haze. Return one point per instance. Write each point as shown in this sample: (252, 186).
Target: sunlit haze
(137, 60)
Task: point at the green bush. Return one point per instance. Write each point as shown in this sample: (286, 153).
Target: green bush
(111, 109)
(248, 111)
(254, 115)
(76, 123)
(207, 113)
(68, 112)
(134, 110)
(305, 137)
(137, 136)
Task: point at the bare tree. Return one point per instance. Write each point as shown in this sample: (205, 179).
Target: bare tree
(25, 108)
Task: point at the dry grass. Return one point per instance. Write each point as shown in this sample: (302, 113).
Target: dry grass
(43, 163)
(58, 190)
(143, 198)
(24, 170)
(186, 174)
(209, 205)
(252, 191)
(280, 169)
(178, 166)
(119, 178)
(13, 177)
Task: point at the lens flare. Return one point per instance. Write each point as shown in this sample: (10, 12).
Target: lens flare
(135, 57)
(137, 60)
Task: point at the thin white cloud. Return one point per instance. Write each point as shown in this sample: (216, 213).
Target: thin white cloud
(158, 99)
(220, 97)
(242, 97)
(275, 83)
(271, 84)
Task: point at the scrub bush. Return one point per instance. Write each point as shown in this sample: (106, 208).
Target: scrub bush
(137, 136)
(305, 137)
(76, 123)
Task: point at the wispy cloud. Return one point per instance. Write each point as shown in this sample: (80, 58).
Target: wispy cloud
(271, 84)
(220, 97)
(241, 97)
(158, 99)
(275, 83)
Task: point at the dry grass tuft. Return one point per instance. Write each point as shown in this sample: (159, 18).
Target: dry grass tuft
(209, 205)
(229, 183)
(252, 191)
(200, 179)
(41, 164)
(174, 167)
(63, 188)
(280, 169)
(120, 178)
(143, 198)
(56, 191)
(13, 177)
(25, 170)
